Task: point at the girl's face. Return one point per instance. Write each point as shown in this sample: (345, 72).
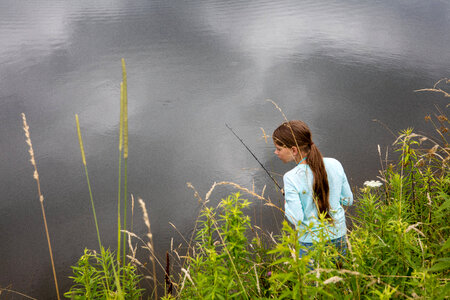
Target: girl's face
(284, 154)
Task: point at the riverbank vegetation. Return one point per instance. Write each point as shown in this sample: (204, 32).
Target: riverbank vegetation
(398, 246)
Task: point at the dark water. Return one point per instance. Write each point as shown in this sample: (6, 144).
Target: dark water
(192, 67)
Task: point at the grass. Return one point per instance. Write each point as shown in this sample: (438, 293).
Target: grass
(108, 274)
(398, 247)
(149, 245)
(26, 128)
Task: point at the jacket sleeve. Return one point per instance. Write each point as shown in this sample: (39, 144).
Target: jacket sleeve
(346, 193)
(292, 207)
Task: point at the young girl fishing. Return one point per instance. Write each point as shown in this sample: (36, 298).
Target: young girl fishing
(315, 185)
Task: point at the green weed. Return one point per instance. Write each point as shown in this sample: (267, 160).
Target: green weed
(92, 280)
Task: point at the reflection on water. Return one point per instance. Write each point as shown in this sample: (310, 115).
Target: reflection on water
(193, 66)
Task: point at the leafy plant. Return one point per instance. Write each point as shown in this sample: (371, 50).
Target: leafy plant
(92, 280)
(221, 265)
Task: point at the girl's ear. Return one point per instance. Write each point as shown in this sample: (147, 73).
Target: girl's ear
(294, 150)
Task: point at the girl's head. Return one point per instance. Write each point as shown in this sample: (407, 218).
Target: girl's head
(293, 142)
(292, 136)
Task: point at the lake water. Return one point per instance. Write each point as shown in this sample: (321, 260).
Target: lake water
(192, 67)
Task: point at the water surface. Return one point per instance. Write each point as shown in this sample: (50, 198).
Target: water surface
(192, 67)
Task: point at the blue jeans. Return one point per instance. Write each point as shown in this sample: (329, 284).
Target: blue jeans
(339, 243)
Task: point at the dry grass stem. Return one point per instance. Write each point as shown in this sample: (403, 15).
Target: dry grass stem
(150, 244)
(135, 236)
(146, 219)
(435, 88)
(265, 136)
(208, 194)
(385, 126)
(15, 292)
(379, 155)
(186, 275)
(196, 194)
(349, 245)
(237, 186)
(272, 238)
(277, 107)
(287, 122)
(176, 229)
(26, 128)
(267, 201)
(131, 234)
(176, 252)
(136, 261)
(133, 250)
(414, 227)
(257, 280)
(333, 279)
(341, 271)
(132, 211)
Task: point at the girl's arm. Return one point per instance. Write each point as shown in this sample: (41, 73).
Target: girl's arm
(292, 206)
(346, 192)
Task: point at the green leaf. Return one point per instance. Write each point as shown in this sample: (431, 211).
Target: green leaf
(444, 205)
(446, 245)
(442, 264)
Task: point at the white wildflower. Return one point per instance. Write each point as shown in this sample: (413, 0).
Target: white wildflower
(373, 183)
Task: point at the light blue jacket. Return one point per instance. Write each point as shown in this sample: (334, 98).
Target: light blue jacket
(300, 208)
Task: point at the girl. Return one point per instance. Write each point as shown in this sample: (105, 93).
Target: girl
(315, 184)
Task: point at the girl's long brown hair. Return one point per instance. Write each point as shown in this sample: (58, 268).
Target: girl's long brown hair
(297, 134)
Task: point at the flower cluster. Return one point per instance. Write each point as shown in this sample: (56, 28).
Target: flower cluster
(373, 183)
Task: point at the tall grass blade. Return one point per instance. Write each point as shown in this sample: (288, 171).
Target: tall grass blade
(87, 178)
(80, 139)
(119, 221)
(121, 118)
(125, 110)
(26, 128)
(125, 152)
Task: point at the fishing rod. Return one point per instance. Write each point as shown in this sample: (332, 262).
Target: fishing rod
(271, 177)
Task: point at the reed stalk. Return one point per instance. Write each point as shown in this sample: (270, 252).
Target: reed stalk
(83, 156)
(26, 128)
(124, 114)
(119, 221)
(80, 139)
